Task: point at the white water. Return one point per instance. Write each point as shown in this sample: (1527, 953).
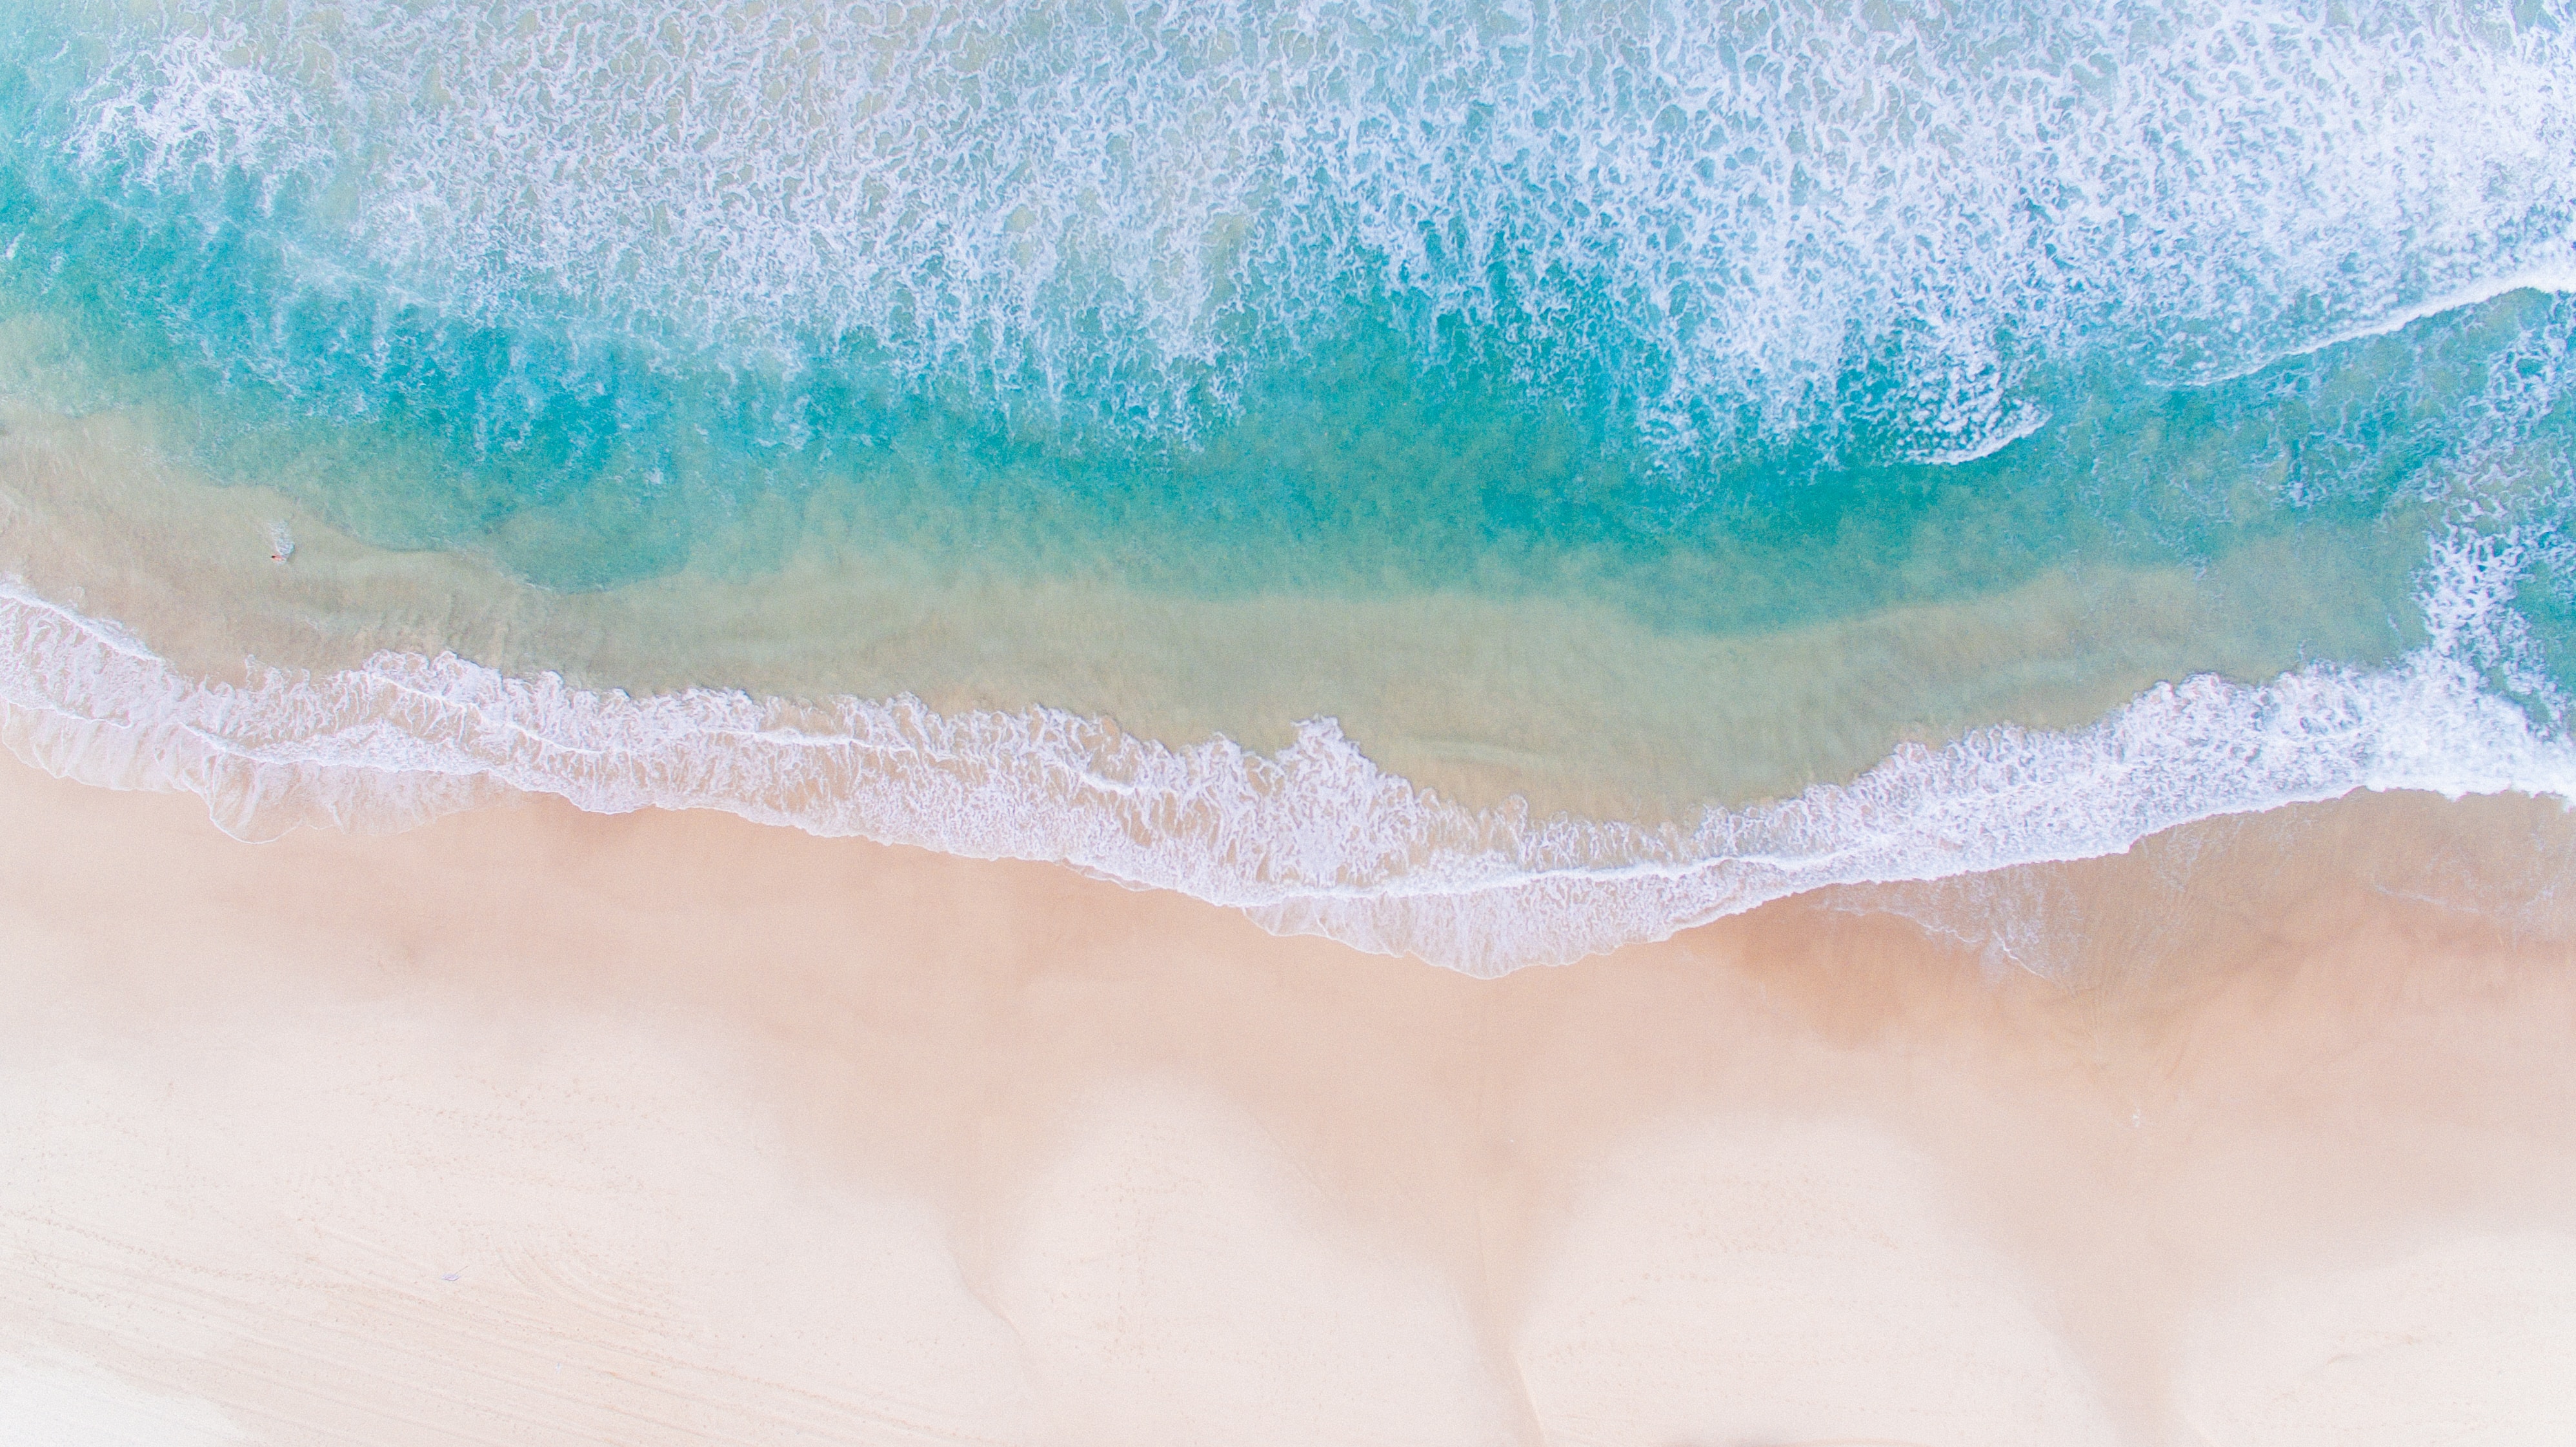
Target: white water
(1312, 840)
(1763, 197)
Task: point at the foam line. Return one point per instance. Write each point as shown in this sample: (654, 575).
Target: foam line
(1312, 840)
(2552, 279)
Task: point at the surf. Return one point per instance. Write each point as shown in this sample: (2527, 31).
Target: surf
(1711, 328)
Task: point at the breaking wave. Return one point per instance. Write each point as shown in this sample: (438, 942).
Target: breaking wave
(1747, 214)
(1314, 839)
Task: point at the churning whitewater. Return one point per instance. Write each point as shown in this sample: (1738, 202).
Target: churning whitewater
(1313, 840)
(1724, 319)
(1754, 215)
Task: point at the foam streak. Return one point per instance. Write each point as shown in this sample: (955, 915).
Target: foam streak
(1313, 840)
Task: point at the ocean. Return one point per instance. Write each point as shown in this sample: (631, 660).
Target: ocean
(1479, 481)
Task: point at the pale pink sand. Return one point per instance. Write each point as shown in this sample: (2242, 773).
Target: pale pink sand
(533, 1128)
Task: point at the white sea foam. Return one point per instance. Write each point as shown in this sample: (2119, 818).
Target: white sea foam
(1763, 196)
(2556, 277)
(2024, 421)
(1314, 839)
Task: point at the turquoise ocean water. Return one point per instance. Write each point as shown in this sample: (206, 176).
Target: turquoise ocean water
(1750, 336)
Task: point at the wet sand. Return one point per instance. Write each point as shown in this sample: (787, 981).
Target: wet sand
(533, 1127)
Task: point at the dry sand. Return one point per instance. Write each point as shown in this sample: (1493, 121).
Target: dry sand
(535, 1128)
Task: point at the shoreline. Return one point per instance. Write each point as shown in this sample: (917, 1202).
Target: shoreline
(994, 1148)
(1316, 839)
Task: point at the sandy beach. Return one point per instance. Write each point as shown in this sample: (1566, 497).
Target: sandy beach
(534, 1127)
(1712, 725)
